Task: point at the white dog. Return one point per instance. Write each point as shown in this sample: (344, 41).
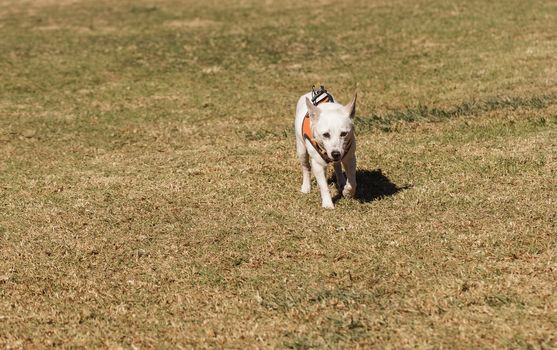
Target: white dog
(325, 134)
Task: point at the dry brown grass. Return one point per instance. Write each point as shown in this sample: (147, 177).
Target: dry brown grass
(148, 186)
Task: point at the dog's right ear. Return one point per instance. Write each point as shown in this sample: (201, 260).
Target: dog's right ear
(313, 111)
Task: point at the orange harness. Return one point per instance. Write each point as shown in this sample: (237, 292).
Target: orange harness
(307, 134)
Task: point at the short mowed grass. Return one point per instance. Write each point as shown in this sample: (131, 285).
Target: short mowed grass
(149, 185)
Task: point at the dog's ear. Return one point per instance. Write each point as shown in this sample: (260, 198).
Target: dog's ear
(313, 111)
(351, 107)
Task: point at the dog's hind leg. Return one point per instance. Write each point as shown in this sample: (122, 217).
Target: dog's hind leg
(341, 180)
(303, 156)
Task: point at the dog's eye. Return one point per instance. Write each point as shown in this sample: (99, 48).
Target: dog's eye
(344, 133)
(326, 135)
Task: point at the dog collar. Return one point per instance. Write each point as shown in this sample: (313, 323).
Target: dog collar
(318, 97)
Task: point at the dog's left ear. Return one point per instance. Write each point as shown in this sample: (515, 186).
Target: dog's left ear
(312, 110)
(351, 107)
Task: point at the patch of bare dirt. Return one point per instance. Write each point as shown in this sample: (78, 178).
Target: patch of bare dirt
(194, 23)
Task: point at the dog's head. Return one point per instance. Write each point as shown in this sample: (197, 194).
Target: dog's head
(332, 125)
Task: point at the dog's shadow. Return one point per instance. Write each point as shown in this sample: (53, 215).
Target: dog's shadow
(372, 185)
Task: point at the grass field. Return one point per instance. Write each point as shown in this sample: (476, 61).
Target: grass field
(149, 184)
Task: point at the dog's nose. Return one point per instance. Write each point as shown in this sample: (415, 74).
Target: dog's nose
(335, 155)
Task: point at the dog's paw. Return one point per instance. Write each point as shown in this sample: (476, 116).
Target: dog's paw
(328, 205)
(305, 188)
(348, 191)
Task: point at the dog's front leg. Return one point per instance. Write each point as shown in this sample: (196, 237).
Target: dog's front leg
(349, 164)
(319, 171)
(341, 180)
